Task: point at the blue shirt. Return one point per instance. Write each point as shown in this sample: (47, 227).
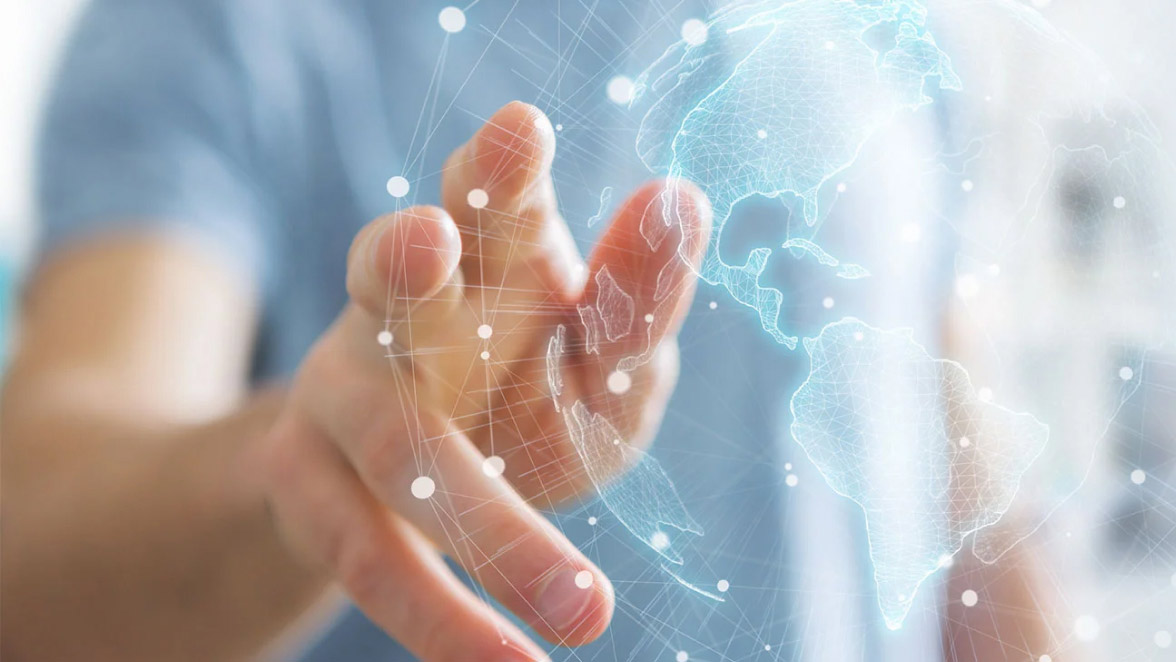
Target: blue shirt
(266, 130)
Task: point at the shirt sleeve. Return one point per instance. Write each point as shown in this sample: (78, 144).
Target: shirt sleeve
(146, 130)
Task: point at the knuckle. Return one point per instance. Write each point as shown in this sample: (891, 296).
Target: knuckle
(382, 457)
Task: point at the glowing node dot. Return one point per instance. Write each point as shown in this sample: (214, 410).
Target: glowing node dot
(620, 90)
(682, 656)
(1163, 639)
(1126, 373)
(423, 487)
(713, 305)
(619, 382)
(694, 31)
(485, 355)
(584, 579)
(859, 336)
(660, 540)
(767, 647)
(967, 185)
(1086, 628)
(969, 598)
(827, 302)
(1119, 202)
(485, 331)
(1045, 658)
(761, 134)
(493, 466)
(477, 198)
(985, 394)
(384, 338)
(1138, 476)
(559, 127)
(397, 186)
(791, 480)
(452, 19)
(965, 442)
(842, 187)
(787, 466)
(946, 561)
(616, 442)
(723, 586)
(649, 318)
(592, 521)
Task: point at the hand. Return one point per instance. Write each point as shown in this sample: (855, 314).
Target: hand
(379, 458)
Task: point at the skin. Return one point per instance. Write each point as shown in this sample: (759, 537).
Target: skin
(155, 508)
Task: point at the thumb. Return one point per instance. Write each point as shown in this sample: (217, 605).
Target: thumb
(403, 259)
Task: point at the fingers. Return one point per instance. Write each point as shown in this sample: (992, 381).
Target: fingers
(390, 572)
(438, 481)
(401, 268)
(643, 276)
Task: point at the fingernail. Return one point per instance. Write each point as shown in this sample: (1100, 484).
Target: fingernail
(566, 596)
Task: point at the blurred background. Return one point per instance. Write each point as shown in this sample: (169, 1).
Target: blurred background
(30, 35)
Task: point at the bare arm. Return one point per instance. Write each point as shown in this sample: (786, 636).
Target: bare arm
(132, 527)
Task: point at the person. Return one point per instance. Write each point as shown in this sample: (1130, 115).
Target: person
(209, 173)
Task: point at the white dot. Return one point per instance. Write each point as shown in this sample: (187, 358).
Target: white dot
(946, 561)
(842, 187)
(787, 466)
(985, 394)
(1120, 202)
(694, 31)
(965, 442)
(967, 185)
(477, 198)
(827, 302)
(584, 579)
(1086, 628)
(485, 331)
(859, 336)
(1126, 373)
(791, 480)
(493, 466)
(1138, 476)
(451, 19)
(384, 338)
(659, 540)
(423, 487)
(761, 134)
(397, 186)
(1045, 658)
(713, 305)
(967, 286)
(620, 90)
(649, 318)
(912, 232)
(559, 127)
(1163, 639)
(619, 382)
(682, 656)
(767, 647)
(723, 585)
(485, 355)
(592, 521)
(969, 598)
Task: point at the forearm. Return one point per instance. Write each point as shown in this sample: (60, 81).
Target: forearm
(140, 544)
